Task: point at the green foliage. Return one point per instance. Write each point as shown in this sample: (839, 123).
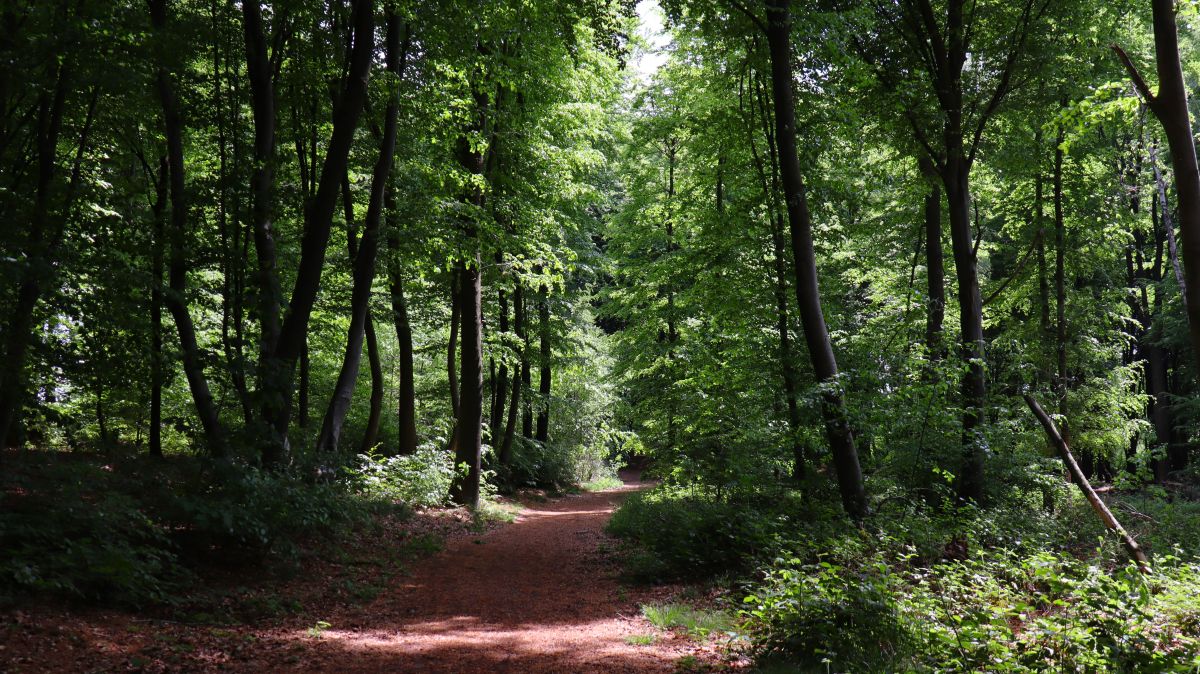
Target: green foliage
(699, 624)
(824, 611)
(78, 541)
(1000, 613)
(245, 514)
(134, 532)
(678, 534)
(1031, 583)
(422, 479)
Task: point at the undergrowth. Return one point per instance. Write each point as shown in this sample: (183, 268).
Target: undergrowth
(136, 531)
(1029, 584)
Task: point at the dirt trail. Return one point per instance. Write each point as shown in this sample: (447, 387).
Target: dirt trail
(534, 596)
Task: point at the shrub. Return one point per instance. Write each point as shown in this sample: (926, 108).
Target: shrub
(422, 479)
(555, 466)
(999, 613)
(680, 535)
(132, 532)
(101, 548)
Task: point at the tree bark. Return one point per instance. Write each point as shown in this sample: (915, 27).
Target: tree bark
(269, 293)
(544, 366)
(302, 397)
(406, 410)
(375, 409)
(974, 386)
(364, 271)
(469, 419)
(278, 370)
(176, 296)
(808, 297)
(465, 490)
(156, 302)
(452, 345)
(1170, 107)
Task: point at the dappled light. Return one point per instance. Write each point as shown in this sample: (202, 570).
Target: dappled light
(557, 336)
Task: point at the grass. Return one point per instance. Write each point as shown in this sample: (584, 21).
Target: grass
(699, 624)
(490, 511)
(602, 483)
(641, 639)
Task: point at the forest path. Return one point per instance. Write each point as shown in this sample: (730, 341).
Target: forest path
(538, 595)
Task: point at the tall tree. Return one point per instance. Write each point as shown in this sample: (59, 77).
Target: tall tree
(939, 49)
(1170, 107)
(808, 295)
(176, 295)
(281, 346)
(364, 262)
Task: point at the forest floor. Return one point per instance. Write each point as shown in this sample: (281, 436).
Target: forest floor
(541, 594)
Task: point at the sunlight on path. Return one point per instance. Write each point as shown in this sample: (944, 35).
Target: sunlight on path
(534, 596)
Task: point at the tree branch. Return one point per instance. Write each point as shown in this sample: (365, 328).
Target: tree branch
(749, 14)
(1138, 82)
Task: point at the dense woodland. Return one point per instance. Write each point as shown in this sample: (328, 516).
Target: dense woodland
(892, 297)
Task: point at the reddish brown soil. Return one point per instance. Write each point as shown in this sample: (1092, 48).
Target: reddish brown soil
(539, 595)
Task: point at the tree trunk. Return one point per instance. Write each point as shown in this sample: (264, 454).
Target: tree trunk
(500, 392)
(452, 346)
(520, 312)
(278, 370)
(176, 296)
(510, 426)
(364, 270)
(375, 413)
(1170, 106)
(974, 387)
(156, 301)
(302, 397)
(808, 297)
(465, 490)
(407, 407)
(468, 444)
(544, 370)
(269, 293)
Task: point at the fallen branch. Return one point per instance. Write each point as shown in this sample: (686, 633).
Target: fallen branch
(1077, 475)
(1129, 509)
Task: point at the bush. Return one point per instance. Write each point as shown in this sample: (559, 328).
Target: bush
(90, 546)
(998, 613)
(824, 612)
(422, 479)
(132, 532)
(243, 514)
(680, 535)
(556, 467)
